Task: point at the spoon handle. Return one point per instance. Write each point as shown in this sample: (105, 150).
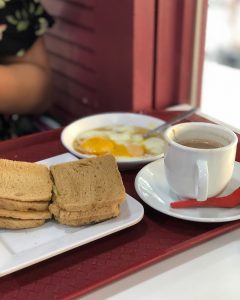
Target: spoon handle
(174, 120)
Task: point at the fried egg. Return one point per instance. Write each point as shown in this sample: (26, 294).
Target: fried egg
(119, 140)
(96, 145)
(154, 145)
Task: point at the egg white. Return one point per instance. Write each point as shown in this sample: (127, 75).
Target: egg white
(119, 137)
(92, 133)
(154, 145)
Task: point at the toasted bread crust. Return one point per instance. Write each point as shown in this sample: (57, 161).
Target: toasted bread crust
(88, 184)
(74, 215)
(23, 181)
(84, 218)
(25, 215)
(9, 223)
(23, 205)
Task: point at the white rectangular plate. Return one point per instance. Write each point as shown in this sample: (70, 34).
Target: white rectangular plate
(25, 247)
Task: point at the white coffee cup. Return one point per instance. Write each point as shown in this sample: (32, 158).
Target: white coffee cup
(195, 172)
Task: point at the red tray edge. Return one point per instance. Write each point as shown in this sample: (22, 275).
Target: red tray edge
(171, 251)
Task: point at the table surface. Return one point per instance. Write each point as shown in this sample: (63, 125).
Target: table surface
(208, 271)
(197, 265)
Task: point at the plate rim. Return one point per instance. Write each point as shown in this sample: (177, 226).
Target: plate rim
(177, 214)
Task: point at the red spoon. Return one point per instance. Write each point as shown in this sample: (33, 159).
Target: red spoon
(231, 200)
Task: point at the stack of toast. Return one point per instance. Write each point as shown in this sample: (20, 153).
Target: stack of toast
(75, 193)
(86, 191)
(25, 194)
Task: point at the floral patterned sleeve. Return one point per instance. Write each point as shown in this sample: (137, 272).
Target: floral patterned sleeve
(21, 23)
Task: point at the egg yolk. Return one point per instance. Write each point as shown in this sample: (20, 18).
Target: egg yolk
(120, 150)
(102, 145)
(97, 145)
(135, 150)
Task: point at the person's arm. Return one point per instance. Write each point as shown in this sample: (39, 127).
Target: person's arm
(25, 82)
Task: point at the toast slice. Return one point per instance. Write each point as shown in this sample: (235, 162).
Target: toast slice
(87, 184)
(25, 215)
(23, 206)
(86, 217)
(23, 181)
(9, 223)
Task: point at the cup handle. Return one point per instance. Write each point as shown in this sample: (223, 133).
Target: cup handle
(202, 180)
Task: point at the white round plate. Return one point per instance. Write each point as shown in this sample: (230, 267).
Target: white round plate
(152, 187)
(71, 131)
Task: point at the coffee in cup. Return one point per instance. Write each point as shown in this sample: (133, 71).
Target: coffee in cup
(200, 143)
(199, 159)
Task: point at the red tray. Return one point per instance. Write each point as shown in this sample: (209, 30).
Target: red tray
(83, 269)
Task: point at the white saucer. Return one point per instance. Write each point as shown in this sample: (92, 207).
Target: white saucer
(152, 187)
